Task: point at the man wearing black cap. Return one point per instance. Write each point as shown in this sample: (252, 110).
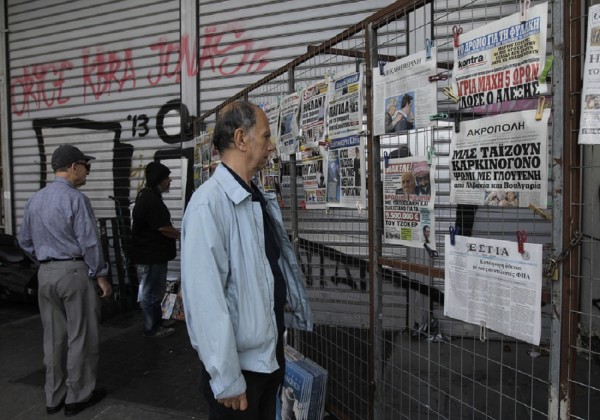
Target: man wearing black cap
(59, 229)
(153, 246)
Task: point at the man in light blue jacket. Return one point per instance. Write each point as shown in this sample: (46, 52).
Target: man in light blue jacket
(242, 284)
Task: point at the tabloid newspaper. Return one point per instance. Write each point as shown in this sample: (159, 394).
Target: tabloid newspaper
(503, 60)
(345, 175)
(408, 200)
(288, 124)
(345, 110)
(312, 115)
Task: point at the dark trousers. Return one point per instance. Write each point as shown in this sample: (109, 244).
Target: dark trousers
(261, 393)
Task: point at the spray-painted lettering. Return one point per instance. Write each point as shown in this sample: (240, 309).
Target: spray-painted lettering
(39, 84)
(101, 70)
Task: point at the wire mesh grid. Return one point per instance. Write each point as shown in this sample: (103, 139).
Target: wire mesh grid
(432, 366)
(380, 330)
(581, 314)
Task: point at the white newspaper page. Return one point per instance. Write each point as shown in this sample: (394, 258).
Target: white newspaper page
(272, 112)
(489, 281)
(345, 109)
(403, 97)
(589, 126)
(502, 61)
(346, 172)
(501, 161)
(312, 115)
(288, 124)
(408, 200)
(313, 182)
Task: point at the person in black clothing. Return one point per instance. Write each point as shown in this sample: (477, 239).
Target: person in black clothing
(153, 246)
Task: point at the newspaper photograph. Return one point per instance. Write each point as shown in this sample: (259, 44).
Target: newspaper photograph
(501, 161)
(288, 124)
(403, 97)
(488, 282)
(501, 61)
(589, 125)
(312, 115)
(345, 109)
(408, 202)
(345, 178)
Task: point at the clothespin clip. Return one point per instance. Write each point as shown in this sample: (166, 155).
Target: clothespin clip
(453, 232)
(524, 6)
(482, 331)
(386, 159)
(539, 212)
(449, 92)
(521, 239)
(428, 45)
(438, 116)
(457, 122)
(456, 31)
(358, 62)
(431, 252)
(546, 70)
(364, 133)
(359, 208)
(431, 153)
(540, 108)
(439, 76)
(381, 66)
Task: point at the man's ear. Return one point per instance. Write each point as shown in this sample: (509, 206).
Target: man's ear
(239, 138)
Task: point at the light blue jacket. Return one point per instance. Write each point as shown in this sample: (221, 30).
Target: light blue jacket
(228, 284)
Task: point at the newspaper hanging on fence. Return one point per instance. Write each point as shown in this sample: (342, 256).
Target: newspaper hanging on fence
(313, 179)
(403, 97)
(345, 110)
(501, 61)
(288, 124)
(589, 126)
(488, 281)
(501, 161)
(272, 111)
(203, 158)
(345, 179)
(312, 115)
(408, 203)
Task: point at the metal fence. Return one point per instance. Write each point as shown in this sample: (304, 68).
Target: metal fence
(379, 324)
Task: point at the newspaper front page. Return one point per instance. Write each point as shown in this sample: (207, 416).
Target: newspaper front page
(409, 197)
(503, 60)
(589, 127)
(488, 281)
(501, 161)
(403, 97)
(288, 124)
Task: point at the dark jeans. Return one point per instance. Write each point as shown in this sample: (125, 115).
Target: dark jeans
(261, 393)
(154, 278)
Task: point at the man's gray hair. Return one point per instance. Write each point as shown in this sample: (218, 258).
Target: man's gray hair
(237, 114)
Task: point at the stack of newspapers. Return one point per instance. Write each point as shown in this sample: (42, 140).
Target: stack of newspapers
(304, 388)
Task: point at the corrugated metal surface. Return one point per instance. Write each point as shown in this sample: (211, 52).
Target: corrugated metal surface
(241, 42)
(95, 74)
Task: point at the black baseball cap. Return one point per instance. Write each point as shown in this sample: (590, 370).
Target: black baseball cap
(66, 154)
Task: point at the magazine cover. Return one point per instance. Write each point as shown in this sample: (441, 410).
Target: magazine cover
(296, 392)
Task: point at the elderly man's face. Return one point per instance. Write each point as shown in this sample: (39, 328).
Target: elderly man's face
(260, 145)
(408, 183)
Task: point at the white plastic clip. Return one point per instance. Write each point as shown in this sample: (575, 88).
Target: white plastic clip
(360, 208)
(524, 6)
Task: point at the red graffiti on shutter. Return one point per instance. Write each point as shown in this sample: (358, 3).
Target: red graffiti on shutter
(101, 70)
(39, 84)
